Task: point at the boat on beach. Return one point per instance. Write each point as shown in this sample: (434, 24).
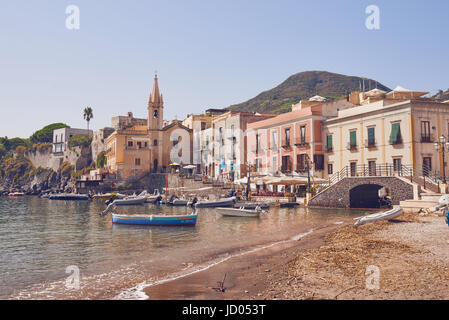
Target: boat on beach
(387, 215)
(240, 212)
(222, 202)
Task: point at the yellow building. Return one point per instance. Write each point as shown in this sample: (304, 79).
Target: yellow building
(134, 149)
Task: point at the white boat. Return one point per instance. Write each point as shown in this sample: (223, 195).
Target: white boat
(387, 215)
(179, 202)
(152, 198)
(223, 202)
(131, 200)
(252, 205)
(240, 212)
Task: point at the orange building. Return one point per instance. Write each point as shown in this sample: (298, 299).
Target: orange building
(135, 148)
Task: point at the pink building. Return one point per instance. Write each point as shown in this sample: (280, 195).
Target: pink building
(288, 142)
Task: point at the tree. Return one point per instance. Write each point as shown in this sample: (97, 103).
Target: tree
(88, 115)
(45, 135)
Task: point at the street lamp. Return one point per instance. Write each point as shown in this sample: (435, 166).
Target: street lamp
(442, 145)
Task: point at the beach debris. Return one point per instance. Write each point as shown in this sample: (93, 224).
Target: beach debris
(336, 297)
(220, 287)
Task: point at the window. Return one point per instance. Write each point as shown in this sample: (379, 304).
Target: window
(286, 164)
(395, 136)
(146, 144)
(130, 144)
(203, 126)
(301, 162)
(330, 168)
(287, 137)
(329, 146)
(318, 160)
(137, 161)
(257, 143)
(155, 142)
(156, 114)
(425, 131)
(372, 168)
(139, 144)
(371, 137)
(353, 167)
(426, 166)
(302, 130)
(274, 144)
(397, 164)
(353, 139)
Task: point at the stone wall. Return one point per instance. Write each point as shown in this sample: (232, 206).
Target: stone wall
(337, 196)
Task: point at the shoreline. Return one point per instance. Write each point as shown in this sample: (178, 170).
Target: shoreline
(331, 263)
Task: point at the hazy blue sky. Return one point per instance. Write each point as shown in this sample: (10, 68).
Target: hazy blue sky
(207, 53)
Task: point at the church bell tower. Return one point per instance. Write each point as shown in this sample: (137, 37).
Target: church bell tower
(155, 108)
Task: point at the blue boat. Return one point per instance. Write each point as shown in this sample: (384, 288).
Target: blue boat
(155, 220)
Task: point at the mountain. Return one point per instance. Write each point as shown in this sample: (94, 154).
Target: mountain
(304, 85)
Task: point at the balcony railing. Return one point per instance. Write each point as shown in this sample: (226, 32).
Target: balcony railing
(329, 149)
(370, 143)
(427, 138)
(352, 147)
(301, 143)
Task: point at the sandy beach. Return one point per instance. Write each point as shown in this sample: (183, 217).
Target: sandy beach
(409, 254)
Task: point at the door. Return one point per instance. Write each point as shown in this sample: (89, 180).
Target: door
(426, 166)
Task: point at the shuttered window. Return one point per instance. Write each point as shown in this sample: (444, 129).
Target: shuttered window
(329, 142)
(371, 137)
(353, 138)
(395, 136)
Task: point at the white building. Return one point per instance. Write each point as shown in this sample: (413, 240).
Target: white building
(61, 138)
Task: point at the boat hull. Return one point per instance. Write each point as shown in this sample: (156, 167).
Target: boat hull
(252, 205)
(154, 220)
(69, 197)
(214, 204)
(103, 196)
(231, 212)
(16, 195)
(391, 214)
(130, 202)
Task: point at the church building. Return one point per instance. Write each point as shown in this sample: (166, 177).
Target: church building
(136, 148)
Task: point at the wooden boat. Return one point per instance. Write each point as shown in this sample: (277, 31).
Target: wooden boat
(223, 202)
(155, 220)
(390, 214)
(240, 212)
(252, 205)
(69, 197)
(16, 194)
(105, 196)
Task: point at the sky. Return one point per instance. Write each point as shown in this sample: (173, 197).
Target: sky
(208, 54)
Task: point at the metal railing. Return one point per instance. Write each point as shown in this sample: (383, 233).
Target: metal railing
(425, 177)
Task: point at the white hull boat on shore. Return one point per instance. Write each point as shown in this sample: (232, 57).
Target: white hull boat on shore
(388, 215)
(131, 200)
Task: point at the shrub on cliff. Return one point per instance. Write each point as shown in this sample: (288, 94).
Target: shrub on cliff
(2, 151)
(79, 140)
(15, 170)
(45, 135)
(12, 144)
(101, 160)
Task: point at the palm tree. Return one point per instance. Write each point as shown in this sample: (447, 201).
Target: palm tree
(88, 114)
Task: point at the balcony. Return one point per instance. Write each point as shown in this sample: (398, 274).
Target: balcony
(301, 143)
(395, 141)
(352, 147)
(329, 149)
(427, 138)
(370, 143)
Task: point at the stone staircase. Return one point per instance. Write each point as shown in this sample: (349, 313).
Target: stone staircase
(427, 200)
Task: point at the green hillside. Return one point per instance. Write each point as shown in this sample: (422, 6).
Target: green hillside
(304, 85)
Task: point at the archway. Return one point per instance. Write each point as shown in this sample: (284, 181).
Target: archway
(365, 196)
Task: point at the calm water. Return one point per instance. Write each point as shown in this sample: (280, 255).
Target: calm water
(40, 238)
